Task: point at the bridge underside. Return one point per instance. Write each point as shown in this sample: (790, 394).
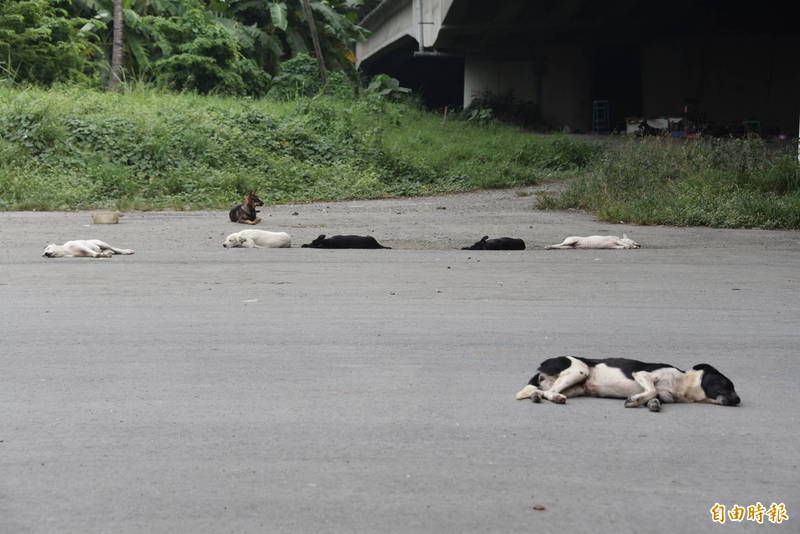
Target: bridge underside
(439, 79)
(725, 61)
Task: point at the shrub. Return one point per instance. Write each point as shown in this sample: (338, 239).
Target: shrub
(298, 77)
(714, 182)
(205, 57)
(40, 44)
(505, 107)
(384, 87)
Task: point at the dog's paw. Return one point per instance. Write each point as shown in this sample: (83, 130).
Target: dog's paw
(557, 398)
(536, 397)
(630, 402)
(654, 405)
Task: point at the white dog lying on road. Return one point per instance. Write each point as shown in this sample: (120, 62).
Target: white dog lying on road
(597, 241)
(92, 248)
(258, 239)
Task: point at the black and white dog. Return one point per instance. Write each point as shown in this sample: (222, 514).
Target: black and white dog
(620, 378)
(344, 241)
(500, 243)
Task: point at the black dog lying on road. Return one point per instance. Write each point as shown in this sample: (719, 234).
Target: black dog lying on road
(638, 382)
(344, 241)
(501, 243)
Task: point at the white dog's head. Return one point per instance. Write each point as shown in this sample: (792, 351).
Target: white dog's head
(233, 241)
(628, 242)
(52, 251)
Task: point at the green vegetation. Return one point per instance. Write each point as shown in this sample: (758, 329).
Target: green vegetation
(41, 43)
(229, 47)
(79, 149)
(74, 148)
(714, 182)
(490, 155)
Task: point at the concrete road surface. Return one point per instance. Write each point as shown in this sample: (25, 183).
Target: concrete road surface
(191, 388)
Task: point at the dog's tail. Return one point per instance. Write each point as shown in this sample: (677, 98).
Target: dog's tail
(533, 385)
(525, 393)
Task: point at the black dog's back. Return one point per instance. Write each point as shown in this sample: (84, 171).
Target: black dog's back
(626, 365)
(501, 243)
(344, 241)
(554, 366)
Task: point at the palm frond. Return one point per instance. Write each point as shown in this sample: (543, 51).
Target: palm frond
(277, 13)
(297, 44)
(136, 47)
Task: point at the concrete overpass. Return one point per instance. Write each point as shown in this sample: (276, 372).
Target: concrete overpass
(394, 21)
(406, 29)
(724, 60)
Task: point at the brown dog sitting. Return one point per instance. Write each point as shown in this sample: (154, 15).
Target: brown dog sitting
(245, 212)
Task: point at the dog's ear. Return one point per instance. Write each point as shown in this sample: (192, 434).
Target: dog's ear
(484, 238)
(320, 238)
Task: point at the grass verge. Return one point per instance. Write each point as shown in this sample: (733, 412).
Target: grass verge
(713, 182)
(69, 148)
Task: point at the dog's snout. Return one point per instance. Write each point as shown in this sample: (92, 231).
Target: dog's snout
(728, 400)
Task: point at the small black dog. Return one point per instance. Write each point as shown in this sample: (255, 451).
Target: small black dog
(344, 241)
(501, 243)
(245, 212)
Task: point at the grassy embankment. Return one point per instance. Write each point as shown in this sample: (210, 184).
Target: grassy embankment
(71, 149)
(711, 182)
(76, 149)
